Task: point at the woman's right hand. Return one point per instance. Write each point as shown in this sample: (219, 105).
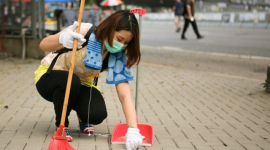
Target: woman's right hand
(67, 38)
(133, 139)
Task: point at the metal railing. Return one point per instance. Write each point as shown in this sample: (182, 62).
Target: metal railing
(21, 19)
(22, 15)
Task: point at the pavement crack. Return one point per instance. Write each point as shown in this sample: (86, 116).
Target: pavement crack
(160, 121)
(30, 134)
(267, 122)
(224, 144)
(7, 144)
(175, 143)
(245, 136)
(176, 124)
(241, 145)
(210, 109)
(24, 146)
(245, 103)
(232, 126)
(214, 122)
(220, 117)
(157, 139)
(167, 130)
(239, 113)
(46, 136)
(266, 130)
(183, 117)
(198, 119)
(52, 119)
(215, 104)
(47, 129)
(183, 104)
(35, 125)
(193, 145)
(190, 111)
(169, 116)
(196, 107)
(236, 119)
(255, 115)
(265, 138)
(253, 121)
(184, 134)
(205, 114)
(227, 132)
(9, 120)
(202, 102)
(243, 108)
(228, 106)
(22, 123)
(202, 138)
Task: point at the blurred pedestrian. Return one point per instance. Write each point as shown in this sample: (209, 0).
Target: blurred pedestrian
(188, 13)
(177, 8)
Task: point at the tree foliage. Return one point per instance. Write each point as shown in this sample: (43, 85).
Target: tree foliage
(89, 2)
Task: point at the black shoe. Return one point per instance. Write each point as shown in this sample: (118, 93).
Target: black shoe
(183, 38)
(200, 37)
(178, 30)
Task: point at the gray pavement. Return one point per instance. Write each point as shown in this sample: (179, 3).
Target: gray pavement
(195, 101)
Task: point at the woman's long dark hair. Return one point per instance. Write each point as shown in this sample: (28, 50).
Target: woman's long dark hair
(121, 20)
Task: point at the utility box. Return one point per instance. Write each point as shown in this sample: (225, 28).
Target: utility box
(267, 84)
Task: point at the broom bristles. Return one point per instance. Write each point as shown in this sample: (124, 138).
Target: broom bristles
(56, 144)
(59, 140)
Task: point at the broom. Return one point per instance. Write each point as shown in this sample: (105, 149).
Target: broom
(59, 140)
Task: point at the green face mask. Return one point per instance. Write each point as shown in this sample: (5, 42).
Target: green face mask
(117, 47)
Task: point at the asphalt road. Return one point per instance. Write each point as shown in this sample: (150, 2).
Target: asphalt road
(226, 51)
(240, 41)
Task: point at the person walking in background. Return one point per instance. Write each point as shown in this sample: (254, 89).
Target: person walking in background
(188, 13)
(177, 8)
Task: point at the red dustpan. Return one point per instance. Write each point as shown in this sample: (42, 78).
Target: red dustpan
(146, 130)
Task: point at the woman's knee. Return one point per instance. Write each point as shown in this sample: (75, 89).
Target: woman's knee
(99, 118)
(95, 117)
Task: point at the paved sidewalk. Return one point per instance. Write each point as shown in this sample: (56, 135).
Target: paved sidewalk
(190, 110)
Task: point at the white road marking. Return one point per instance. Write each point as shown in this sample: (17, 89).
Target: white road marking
(169, 48)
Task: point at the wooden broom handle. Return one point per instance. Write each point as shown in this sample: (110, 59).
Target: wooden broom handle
(71, 68)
